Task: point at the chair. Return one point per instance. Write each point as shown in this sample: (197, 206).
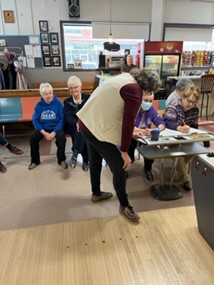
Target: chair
(207, 83)
(10, 111)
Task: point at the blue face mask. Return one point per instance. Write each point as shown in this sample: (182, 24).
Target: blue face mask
(146, 105)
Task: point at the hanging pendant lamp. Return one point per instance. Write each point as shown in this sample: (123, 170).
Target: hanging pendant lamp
(110, 45)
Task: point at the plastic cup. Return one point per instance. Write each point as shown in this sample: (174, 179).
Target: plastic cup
(155, 135)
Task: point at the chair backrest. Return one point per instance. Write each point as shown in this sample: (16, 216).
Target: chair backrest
(207, 83)
(10, 109)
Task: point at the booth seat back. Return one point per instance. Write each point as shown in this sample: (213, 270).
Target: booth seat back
(160, 106)
(10, 109)
(28, 104)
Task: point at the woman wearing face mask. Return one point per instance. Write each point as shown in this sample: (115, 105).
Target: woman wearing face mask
(147, 116)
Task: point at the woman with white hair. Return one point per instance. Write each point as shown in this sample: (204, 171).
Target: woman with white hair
(72, 105)
(177, 94)
(48, 121)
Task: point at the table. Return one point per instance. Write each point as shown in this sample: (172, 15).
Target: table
(172, 144)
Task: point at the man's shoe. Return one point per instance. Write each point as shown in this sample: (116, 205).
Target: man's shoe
(73, 162)
(129, 213)
(206, 144)
(15, 150)
(101, 197)
(85, 166)
(64, 165)
(3, 169)
(187, 186)
(32, 166)
(148, 175)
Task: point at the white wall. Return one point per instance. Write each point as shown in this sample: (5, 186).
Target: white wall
(188, 12)
(29, 12)
(10, 28)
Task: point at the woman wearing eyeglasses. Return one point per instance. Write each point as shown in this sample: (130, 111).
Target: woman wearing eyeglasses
(181, 115)
(72, 105)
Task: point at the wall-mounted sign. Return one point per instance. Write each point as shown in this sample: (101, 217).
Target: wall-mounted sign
(9, 16)
(2, 43)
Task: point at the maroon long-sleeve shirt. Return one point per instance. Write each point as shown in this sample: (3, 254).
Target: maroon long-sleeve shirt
(132, 97)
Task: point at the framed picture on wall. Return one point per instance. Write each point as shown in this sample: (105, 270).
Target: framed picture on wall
(70, 65)
(54, 39)
(9, 16)
(47, 61)
(78, 64)
(44, 38)
(55, 49)
(34, 40)
(56, 61)
(46, 49)
(43, 26)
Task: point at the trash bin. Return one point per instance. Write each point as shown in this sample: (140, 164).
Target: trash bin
(202, 169)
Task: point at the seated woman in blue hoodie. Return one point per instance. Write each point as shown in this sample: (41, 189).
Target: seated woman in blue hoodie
(48, 121)
(147, 116)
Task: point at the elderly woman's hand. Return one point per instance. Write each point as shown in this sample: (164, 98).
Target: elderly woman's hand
(48, 136)
(183, 129)
(141, 132)
(51, 136)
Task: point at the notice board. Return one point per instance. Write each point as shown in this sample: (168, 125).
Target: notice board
(16, 44)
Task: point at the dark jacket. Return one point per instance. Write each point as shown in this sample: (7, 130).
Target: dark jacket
(70, 111)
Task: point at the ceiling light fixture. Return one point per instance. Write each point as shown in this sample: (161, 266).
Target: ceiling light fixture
(110, 44)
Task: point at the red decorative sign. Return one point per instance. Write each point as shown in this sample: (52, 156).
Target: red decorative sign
(163, 47)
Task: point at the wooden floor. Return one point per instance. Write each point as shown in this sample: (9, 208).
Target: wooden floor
(164, 248)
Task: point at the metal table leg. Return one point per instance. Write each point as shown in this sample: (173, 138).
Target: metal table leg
(163, 191)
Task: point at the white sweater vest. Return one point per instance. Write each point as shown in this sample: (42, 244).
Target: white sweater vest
(103, 112)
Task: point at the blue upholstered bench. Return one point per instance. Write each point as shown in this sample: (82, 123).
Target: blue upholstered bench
(10, 110)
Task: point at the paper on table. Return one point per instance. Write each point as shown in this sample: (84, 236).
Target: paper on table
(170, 133)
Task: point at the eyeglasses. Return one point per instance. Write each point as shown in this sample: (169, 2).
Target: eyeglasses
(190, 102)
(73, 87)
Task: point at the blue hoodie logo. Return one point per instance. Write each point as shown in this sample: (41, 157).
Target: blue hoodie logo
(48, 115)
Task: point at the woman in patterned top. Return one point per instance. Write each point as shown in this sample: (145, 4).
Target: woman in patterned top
(181, 116)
